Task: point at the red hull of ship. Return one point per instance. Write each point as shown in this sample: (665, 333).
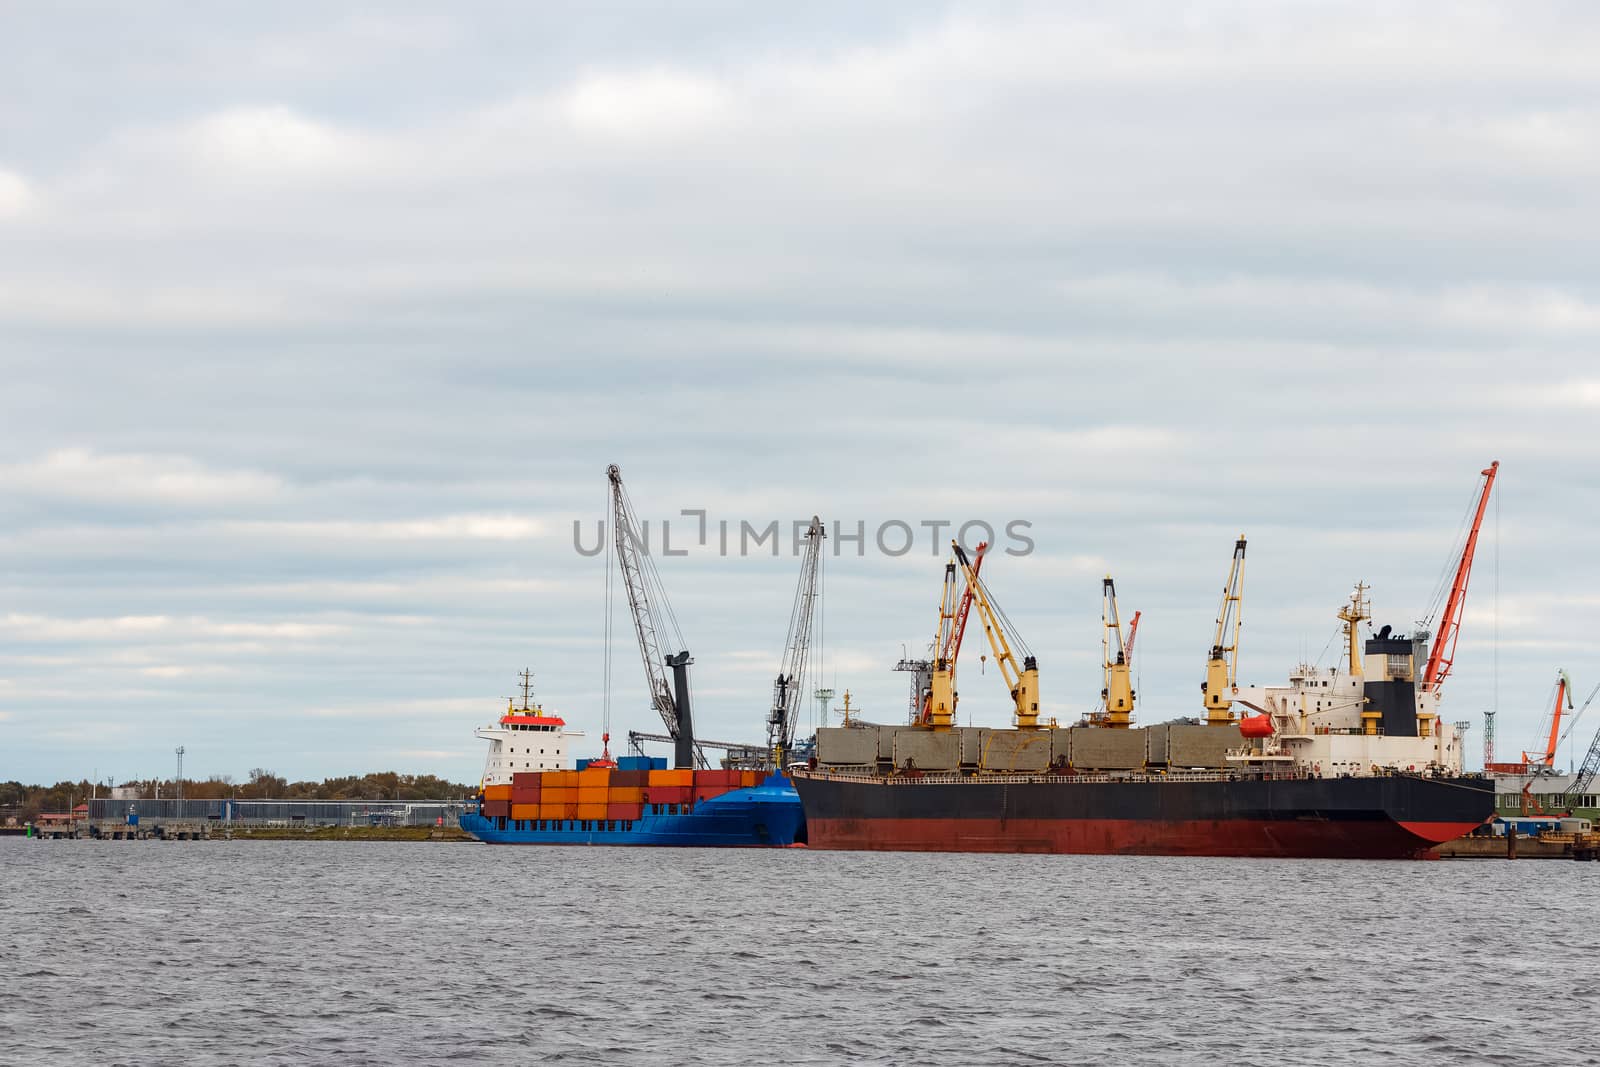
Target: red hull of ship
(1286, 838)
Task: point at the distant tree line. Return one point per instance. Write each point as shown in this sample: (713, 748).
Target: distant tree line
(27, 802)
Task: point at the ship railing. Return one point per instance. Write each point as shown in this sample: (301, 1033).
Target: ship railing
(1023, 778)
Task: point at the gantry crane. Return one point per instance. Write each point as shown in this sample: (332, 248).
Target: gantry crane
(640, 577)
(1023, 681)
(1586, 775)
(954, 609)
(789, 690)
(1547, 758)
(1443, 653)
(1117, 658)
(1222, 666)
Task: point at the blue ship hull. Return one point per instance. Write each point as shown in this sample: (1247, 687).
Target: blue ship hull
(764, 816)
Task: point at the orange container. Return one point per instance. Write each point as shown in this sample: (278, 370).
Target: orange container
(624, 811)
(547, 810)
(560, 778)
(524, 811)
(625, 795)
(593, 776)
(561, 795)
(497, 792)
(591, 811)
(683, 777)
(749, 778)
(592, 794)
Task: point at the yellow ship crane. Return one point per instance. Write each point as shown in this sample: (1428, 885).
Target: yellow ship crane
(1222, 666)
(1117, 657)
(1023, 681)
(940, 709)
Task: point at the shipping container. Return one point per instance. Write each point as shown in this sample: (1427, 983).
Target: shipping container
(497, 792)
(595, 794)
(624, 811)
(667, 794)
(749, 778)
(559, 795)
(521, 795)
(496, 809)
(641, 763)
(560, 778)
(593, 776)
(524, 811)
(718, 778)
(521, 778)
(625, 795)
(630, 778)
(547, 810)
(683, 777)
(591, 811)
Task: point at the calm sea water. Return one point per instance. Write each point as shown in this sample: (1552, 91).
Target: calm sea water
(308, 953)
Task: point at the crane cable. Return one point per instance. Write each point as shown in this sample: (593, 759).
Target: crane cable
(1452, 561)
(610, 613)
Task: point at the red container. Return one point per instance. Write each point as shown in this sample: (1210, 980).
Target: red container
(630, 779)
(525, 778)
(524, 794)
(624, 811)
(668, 794)
(496, 809)
(716, 778)
(706, 792)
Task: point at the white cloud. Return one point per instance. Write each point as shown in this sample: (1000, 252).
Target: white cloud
(271, 142)
(442, 528)
(16, 195)
(646, 104)
(85, 474)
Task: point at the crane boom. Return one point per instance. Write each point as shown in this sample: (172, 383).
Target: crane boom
(1117, 692)
(940, 708)
(952, 628)
(789, 689)
(1222, 666)
(674, 711)
(1586, 775)
(1444, 643)
(1548, 757)
(1023, 681)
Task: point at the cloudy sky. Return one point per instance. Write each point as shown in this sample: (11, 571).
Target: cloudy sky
(320, 323)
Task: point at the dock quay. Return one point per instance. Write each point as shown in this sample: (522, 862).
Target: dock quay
(1512, 846)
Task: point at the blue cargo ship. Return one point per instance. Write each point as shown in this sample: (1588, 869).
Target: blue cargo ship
(528, 796)
(763, 816)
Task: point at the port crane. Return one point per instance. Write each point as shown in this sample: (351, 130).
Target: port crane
(1023, 681)
(1117, 694)
(1443, 653)
(644, 590)
(1222, 666)
(955, 604)
(789, 689)
(1586, 774)
(1548, 757)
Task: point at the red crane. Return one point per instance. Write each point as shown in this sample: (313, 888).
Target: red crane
(1444, 643)
(1133, 629)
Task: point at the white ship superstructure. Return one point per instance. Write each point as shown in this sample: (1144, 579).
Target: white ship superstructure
(525, 739)
(1370, 716)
